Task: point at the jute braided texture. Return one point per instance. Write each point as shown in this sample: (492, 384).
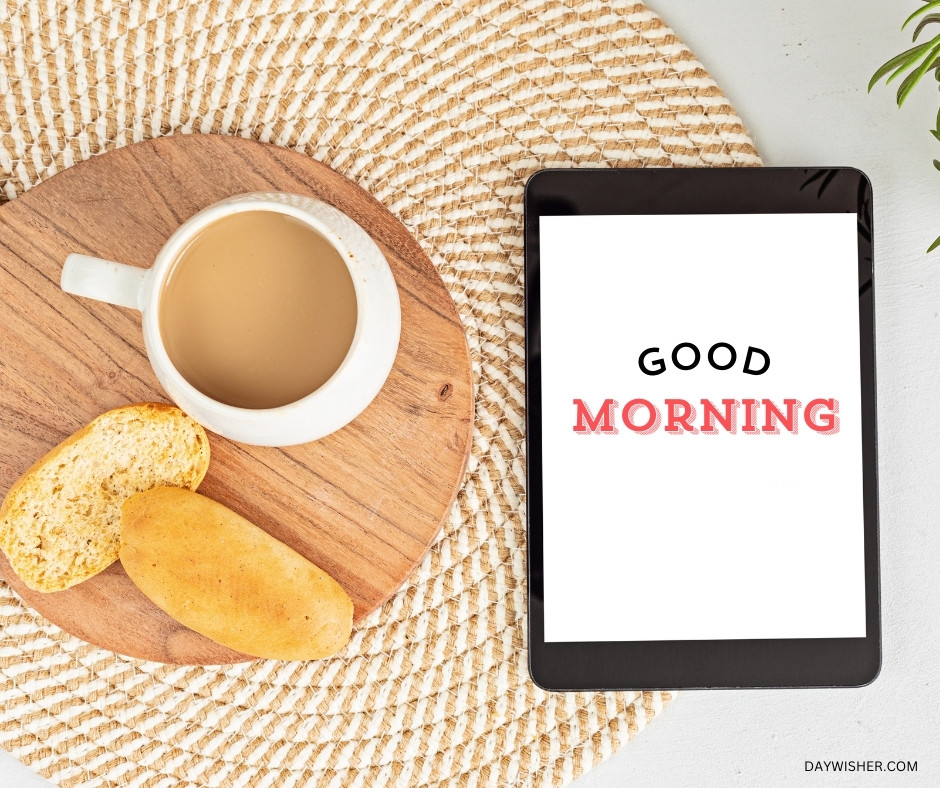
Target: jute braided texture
(441, 110)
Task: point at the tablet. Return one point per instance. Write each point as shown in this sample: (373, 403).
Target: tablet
(700, 375)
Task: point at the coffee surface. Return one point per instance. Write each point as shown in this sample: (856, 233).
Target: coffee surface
(259, 310)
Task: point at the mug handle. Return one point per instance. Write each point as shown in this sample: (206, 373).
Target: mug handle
(103, 280)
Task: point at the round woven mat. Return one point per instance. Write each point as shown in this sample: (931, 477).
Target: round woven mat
(441, 110)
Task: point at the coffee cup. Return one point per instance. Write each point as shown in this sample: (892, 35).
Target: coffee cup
(272, 319)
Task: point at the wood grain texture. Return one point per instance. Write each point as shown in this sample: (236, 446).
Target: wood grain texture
(364, 504)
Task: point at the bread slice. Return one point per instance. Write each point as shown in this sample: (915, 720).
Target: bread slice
(60, 522)
(226, 578)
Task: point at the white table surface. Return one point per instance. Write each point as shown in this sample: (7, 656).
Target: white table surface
(797, 71)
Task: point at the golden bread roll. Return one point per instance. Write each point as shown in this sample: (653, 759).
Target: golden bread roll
(222, 576)
(60, 521)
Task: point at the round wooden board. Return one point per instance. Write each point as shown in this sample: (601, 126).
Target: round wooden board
(364, 503)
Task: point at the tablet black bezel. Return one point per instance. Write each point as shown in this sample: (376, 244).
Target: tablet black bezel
(616, 665)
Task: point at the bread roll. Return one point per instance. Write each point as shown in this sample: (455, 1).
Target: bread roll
(227, 579)
(60, 522)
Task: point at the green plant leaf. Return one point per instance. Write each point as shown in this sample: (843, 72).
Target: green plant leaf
(924, 22)
(900, 70)
(903, 60)
(922, 10)
(914, 77)
(917, 60)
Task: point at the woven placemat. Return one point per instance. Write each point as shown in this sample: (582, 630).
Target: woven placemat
(441, 110)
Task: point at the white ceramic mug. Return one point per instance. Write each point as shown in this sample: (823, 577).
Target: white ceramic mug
(334, 404)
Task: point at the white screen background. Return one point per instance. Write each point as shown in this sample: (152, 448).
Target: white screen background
(685, 537)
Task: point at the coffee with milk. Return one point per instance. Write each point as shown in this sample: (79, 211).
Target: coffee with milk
(258, 310)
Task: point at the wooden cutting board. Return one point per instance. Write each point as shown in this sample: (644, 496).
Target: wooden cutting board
(364, 504)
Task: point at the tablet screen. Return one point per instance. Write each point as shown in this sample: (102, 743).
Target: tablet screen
(701, 427)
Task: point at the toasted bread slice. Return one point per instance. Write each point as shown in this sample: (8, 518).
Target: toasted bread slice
(229, 580)
(60, 522)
